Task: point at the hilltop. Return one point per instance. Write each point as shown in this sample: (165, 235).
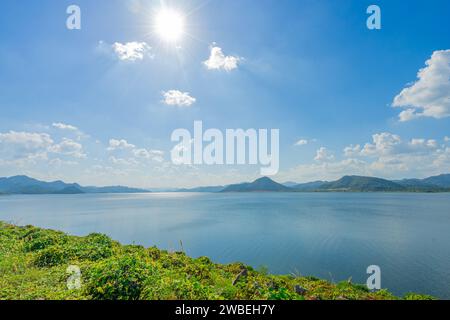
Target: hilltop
(260, 185)
(363, 184)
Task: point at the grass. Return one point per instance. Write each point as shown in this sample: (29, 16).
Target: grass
(33, 264)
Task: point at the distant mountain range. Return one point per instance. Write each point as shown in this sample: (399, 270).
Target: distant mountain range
(202, 189)
(27, 185)
(348, 184)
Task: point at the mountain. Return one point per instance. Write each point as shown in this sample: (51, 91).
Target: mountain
(441, 183)
(442, 180)
(362, 184)
(310, 186)
(261, 185)
(113, 189)
(411, 183)
(345, 184)
(70, 190)
(27, 185)
(212, 189)
(431, 184)
(290, 184)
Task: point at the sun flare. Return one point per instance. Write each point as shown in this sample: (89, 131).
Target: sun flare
(169, 25)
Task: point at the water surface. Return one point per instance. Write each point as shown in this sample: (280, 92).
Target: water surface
(329, 235)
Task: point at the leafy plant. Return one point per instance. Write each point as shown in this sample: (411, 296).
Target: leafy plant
(118, 278)
(50, 257)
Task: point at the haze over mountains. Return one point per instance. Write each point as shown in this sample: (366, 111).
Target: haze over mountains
(441, 183)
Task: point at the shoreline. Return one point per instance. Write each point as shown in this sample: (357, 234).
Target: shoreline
(225, 193)
(34, 264)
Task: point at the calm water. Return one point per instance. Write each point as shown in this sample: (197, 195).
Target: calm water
(332, 236)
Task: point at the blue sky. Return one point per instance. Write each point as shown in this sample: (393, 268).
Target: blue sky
(73, 108)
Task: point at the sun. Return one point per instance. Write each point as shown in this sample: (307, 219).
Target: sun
(169, 25)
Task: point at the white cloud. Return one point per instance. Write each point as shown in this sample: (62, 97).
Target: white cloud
(388, 156)
(70, 128)
(178, 98)
(326, 170)
(302, 142)
(63, 126)
(25, 140)
(447, 139)
(383, 144)
(414, 159)
(68, 147)
(155, 155)
(119, 145)
(20, 148)
(388, 145)
(59, 163)
(443, 159)
(218, 61)
(130, 51)
(408, 115)
(352, 151)
(140, 153)
(125, 162)
(323, 155)
(423, 143)
(429, 96)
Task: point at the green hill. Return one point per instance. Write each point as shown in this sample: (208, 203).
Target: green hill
(260, 185)
(363, 184)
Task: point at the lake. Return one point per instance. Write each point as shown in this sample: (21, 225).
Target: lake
(333, 236)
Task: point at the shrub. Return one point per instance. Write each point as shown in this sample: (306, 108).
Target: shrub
(119, 278)
(204, 260)
(50, 257)
(94, 247)
(171, 287)
(415, 296)
(154, 253)
(173, 261)
(283, 294)
(37, 239)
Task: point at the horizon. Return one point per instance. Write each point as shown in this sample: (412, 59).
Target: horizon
(219, 185)
(346, 100)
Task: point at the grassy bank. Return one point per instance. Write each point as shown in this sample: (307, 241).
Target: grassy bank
(33, 264)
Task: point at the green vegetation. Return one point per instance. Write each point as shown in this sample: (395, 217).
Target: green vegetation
(33, 264)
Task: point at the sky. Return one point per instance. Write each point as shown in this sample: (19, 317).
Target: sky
(98, 105)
